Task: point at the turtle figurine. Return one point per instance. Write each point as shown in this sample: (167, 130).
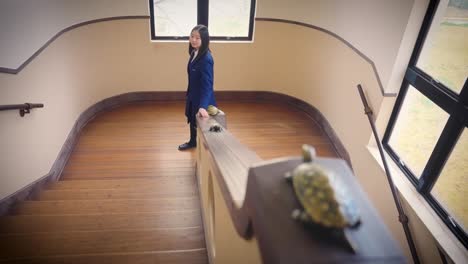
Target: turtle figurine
(212, 110)
(324, 199)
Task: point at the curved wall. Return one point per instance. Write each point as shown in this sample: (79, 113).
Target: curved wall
(82, 67)
(100, 60)
(376, 28)
(77, 70)
(97, 61)
(25, 26)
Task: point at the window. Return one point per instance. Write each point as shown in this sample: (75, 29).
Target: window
(226, 19)
(427, 134)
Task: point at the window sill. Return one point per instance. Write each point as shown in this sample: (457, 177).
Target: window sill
(439, 231)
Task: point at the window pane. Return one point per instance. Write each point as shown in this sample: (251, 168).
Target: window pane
(417, 129)
(445, 53)
(451, 188)
(229, 18)
(174, 17)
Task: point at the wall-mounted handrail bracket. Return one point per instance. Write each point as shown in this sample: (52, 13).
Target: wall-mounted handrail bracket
(24, 111)
(23, 108)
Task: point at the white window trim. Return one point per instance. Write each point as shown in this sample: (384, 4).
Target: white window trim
(442, 235)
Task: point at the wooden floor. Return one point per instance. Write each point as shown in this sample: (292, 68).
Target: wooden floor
(273, 130)
(127, 195)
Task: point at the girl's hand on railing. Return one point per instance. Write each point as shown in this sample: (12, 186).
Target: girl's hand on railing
(202, 112)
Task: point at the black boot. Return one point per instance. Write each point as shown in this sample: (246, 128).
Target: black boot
(187, 145)
(193, 139)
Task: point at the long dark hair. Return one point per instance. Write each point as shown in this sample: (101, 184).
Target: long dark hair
(205, 40)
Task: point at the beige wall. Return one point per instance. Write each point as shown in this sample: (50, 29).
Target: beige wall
(375, 27)
(82, 67)
(81, 64)
(77, 70)
(25, 25)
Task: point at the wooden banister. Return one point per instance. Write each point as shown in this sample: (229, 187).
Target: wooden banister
(259, 202)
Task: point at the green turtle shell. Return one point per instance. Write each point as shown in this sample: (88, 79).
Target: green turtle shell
(212, 110)
(323, 197)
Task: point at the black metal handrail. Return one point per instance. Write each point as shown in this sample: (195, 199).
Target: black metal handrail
(23, 108)
(402, 217)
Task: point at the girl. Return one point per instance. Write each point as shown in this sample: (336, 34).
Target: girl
(200, 81)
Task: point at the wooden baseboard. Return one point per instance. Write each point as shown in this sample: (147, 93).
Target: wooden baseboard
(138, 97)
(57, 168)
(7, 203)
(314, 113)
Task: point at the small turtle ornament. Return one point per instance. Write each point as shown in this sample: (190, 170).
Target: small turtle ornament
(324, 199)
(212, 110)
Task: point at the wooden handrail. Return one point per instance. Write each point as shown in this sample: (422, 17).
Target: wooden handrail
(23, 108)
(231, 164)
(260, 202)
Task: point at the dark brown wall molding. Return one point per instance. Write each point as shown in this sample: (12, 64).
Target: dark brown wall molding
(102, 106)
(314, 113)
(67, 148)
(7, 203)
(17, 70)
(139, 97)
(362, 55)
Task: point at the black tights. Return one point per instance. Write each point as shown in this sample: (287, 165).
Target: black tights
(193, 133)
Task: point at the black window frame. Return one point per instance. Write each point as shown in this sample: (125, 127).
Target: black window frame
(202, 18)
(455, 105)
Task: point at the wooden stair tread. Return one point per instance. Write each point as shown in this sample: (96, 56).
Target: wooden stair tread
(97, 242)
(158, 183)
(132, 167)
(128, 174)
(107, 206)
(117, 175)
(109, 147)
(91, 194)
(161, 165)
(89, 222)
(135, 155)
(192, 256)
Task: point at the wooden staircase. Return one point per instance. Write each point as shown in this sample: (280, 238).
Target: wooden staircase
(106, 221)
(126, 196)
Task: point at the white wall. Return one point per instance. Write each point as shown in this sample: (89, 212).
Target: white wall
(26, 25)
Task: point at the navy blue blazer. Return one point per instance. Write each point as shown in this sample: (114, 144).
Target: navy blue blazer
(200, 85)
